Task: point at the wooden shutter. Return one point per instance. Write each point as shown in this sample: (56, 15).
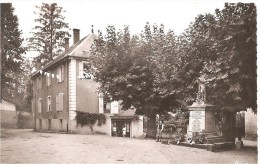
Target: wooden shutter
(57, 103)
(39, 105)
(61, 101)
(58, 74)
(101, 103)
(62, 72)
(47, 102)
(114, 107)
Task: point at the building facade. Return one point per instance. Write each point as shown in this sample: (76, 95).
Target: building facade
(65, 86)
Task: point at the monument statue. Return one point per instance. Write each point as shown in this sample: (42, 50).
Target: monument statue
(201, 96)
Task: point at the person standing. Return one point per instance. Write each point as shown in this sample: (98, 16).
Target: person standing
(114, 130)
(159, 131)
(124, 130)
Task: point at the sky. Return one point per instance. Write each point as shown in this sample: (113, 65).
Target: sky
(175, 15)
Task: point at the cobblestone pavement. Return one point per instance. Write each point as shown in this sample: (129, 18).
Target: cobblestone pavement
(26, 146)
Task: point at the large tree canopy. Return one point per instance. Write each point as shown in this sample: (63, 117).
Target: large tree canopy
(49, 32)
(222, 49)
(156, 71)
(129, 69)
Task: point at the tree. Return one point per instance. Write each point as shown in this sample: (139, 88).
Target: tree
(12, 50)
(49, 32)
(222, 49)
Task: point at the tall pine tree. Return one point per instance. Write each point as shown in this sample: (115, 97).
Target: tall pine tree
(12, 50)
(49, 32)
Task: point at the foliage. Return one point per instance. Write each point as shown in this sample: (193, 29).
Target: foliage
(199, 137)
(179, 137)
(84, 118)
(179, 120)
(156, 71)
(14, 68)
(127, 68)
(49, 32)
(221, 48)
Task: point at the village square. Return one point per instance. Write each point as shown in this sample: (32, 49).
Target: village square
(117, 96)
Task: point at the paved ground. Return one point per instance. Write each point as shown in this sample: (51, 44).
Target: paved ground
(26, 146)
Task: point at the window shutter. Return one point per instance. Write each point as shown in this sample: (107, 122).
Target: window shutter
(101, 103)
(61, 101)
(57, 103)
(59, 74)
(39, 105)
(47, 102)
(62, 72)
(114, 107)
(50, 104)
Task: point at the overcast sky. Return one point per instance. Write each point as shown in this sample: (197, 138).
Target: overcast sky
(175, 15)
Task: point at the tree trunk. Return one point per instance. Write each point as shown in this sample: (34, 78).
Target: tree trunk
(151, 126)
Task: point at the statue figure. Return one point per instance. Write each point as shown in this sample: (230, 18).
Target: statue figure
(201, 97)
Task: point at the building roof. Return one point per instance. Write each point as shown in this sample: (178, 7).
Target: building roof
(81, 49)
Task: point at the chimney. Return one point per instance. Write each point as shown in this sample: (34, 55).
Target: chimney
(75, 35)
(67, 45)
(38, 64)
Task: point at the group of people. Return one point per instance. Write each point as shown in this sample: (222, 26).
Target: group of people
(160, 127)
(115, 130)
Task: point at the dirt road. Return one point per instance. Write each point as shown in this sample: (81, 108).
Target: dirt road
(26, 146)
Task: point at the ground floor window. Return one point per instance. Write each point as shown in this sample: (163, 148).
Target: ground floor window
(120, 128)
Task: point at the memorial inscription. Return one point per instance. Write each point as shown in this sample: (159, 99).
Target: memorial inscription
(197, 121)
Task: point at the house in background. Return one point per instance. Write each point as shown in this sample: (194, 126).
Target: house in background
(64, 86)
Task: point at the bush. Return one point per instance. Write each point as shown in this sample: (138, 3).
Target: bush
(85, 118)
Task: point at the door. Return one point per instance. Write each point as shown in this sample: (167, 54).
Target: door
(120, 124)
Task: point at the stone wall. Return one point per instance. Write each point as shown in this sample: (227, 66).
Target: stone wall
(250, 125)
(8, 119)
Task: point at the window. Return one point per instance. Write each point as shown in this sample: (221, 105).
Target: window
(106, 105)
(40, 105)
(114, 107)
(60, 73)
(39, 83)
(84, 70)
(59, 101)
(49, 104)
(48, 80)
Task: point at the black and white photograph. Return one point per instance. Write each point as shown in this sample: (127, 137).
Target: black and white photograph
(129, 81)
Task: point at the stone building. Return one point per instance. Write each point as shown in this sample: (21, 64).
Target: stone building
(65, 86)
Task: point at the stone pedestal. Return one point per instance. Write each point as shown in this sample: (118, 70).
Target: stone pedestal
(202, 117)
